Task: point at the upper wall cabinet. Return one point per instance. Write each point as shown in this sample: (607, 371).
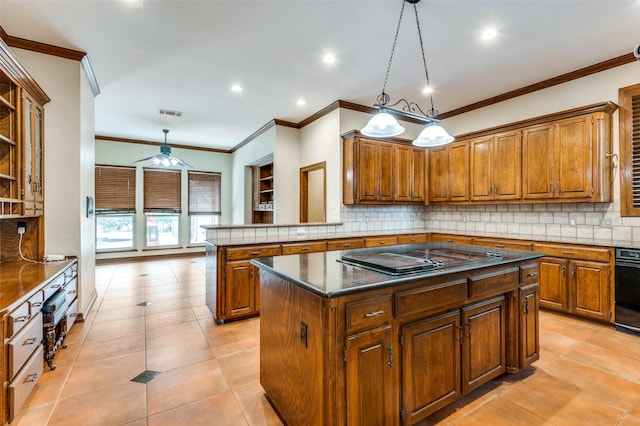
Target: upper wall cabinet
(562, 157)
(382, 172)
(21, 139)
(449, 173)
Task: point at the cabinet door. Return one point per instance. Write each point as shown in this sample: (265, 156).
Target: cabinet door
(439, 174)
(573, 150)
(590, 289)
(385, 169)
(430, 365)
(402, 157)
(554, 283)
(529, 327)
(418, 184)
(483, 344)
(241, 278)
(368, 171)
(28, 184)
(506, 166)
(459, 171)
(371, 386)
(537, 162)
(480, 169)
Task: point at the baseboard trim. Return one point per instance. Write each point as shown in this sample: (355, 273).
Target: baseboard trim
(85, 313)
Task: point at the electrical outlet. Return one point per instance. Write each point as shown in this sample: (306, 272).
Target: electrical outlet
(572, 221)
(303, 333)
(366, 219)
(22, 227)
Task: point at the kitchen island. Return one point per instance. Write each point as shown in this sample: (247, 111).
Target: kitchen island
(347, 344)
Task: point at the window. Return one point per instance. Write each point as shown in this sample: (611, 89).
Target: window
(162, 201)
(115, 207)
(204, 203)
(629, 99)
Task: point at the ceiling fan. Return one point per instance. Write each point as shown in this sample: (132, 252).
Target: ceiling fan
(165, 158)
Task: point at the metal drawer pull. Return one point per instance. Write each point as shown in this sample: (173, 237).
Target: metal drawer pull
(22, 318)
(71, 292)
(36, 304)
(31, 378)
(382, 242)
(346, 245)
(56, 286)
(567, 252)
(30, 341)
(305, 249)
(374, 314)
(253, 253)
(532, 274)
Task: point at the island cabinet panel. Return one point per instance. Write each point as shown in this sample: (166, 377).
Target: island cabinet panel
(529, 326)
(370, 378)
(483, 343)
(241, 295)
(431, 365)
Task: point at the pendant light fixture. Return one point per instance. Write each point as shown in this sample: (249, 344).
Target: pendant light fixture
(165, 158)
(384, 124)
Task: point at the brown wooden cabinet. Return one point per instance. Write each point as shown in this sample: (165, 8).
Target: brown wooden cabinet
(576, 280)
(242, 291)
(529, 326)
(382, 172)
(10, 204)
(449, 173)
(566, 160)
(33, 185)
(495, 167)
(263, 194)
(370, 377)
(451, 238)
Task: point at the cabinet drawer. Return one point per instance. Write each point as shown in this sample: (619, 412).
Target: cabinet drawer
(412, 239)
(368, 313)
(36, 301)
(574, 252)
(494, 283)
(347, 244)
(22, 345)
(303, 247)
(71, 272)
(515, 245)
(252, 252)
(529, 273)
(447, 238)
(54, 286)
(20, 388)
(72, 314)
(430, 299)
(17, 319)
(71, 291)
(381, 241)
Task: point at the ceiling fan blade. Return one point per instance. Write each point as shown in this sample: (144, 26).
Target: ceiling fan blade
(145, 159)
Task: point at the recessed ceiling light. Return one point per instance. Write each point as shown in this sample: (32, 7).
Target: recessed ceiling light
(329, 58)
(301, 102)
(236, 88)
(427, 90)
(489, 34)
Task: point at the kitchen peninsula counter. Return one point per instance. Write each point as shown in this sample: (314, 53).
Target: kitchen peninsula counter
(342, 344)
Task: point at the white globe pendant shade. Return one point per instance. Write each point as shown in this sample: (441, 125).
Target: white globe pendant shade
(433, 135)
(382, 125)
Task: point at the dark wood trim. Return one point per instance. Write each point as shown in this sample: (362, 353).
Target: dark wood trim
(14, 69)
(47, 49)
(285, 123)
(91, 77)
(573, 75)
(142, 142)
(606, 107)
(324, 111)
(352, 134)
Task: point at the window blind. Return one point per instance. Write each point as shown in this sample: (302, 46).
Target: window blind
(204, 193)
(115, 189)
(162, 191)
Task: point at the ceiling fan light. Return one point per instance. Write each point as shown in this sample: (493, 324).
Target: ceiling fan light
(166, 162)
(382, 125)
(433, 135)
(156, 161)
(174, 161)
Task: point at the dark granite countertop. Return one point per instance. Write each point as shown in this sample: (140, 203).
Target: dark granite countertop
(323, 273)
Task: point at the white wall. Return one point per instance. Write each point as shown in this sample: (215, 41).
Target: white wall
(286, 175)
(258, 148)
(68, 161)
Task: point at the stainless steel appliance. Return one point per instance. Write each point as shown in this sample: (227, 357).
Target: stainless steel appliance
(628, 290)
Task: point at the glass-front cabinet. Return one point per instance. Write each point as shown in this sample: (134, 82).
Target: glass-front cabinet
(32, 189)
(10, 203)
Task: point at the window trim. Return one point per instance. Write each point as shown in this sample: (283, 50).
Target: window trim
(625, 96)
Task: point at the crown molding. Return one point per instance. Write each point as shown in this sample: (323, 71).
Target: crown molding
(14, 69)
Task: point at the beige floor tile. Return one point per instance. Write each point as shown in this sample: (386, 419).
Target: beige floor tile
(173, 334)
(255, 406)
(185, 385)
(607, 360)
(501, 412)
(106, 315)
(218, 410)
(166, 306)
(163, 319)
(583, 410)
(115, 405)
(94, 350)
(168, 357)
(33, 416)
(114, 329)
(241, 367)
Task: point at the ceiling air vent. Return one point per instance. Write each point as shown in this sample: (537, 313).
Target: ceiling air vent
(171, 113)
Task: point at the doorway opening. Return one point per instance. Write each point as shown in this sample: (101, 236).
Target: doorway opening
(313, 193)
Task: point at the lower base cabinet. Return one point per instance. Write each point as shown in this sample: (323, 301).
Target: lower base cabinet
(529, 298)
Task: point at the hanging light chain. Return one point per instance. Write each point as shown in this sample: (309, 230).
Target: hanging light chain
(433, 113)
(383, 99)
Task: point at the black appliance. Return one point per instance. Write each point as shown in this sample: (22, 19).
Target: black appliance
(628, 290)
